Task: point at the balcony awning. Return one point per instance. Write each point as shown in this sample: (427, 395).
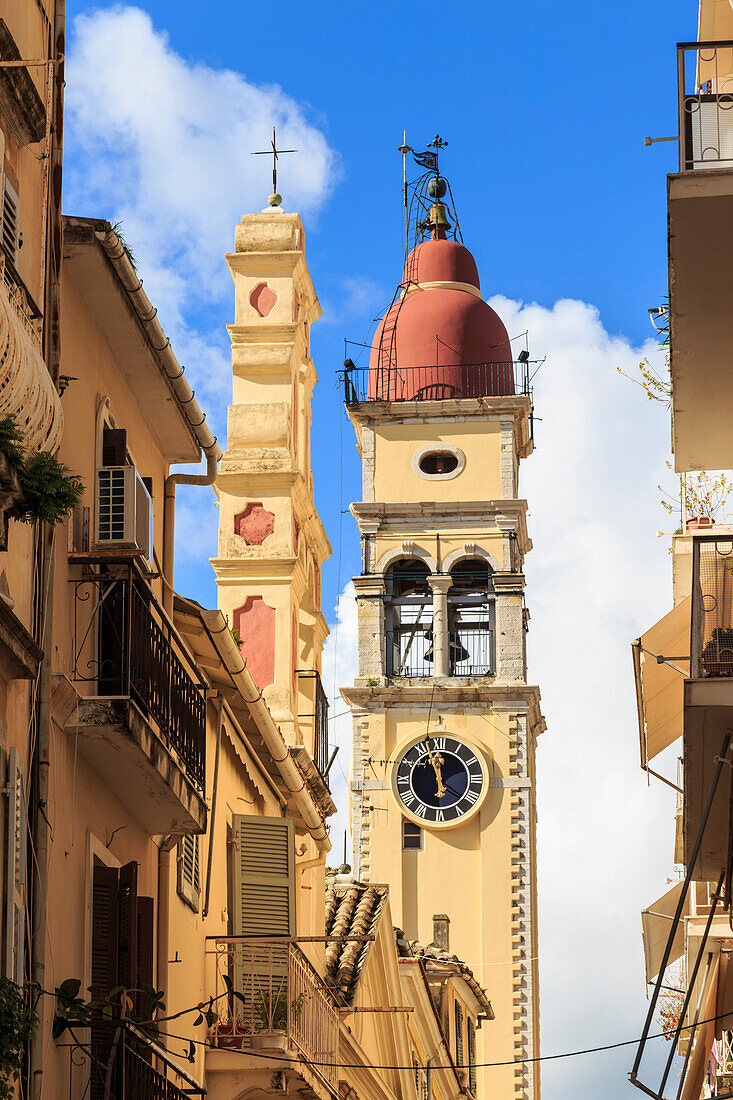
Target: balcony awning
(660, 686)
(656, 925)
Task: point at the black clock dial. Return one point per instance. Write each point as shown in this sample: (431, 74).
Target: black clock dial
(439, 779)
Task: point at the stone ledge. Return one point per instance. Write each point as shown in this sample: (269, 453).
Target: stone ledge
(20, 656)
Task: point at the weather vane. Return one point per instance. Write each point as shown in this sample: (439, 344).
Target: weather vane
(274, 152)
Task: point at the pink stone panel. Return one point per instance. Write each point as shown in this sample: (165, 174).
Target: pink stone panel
(263, 299)
(255, 624)
(254, 524)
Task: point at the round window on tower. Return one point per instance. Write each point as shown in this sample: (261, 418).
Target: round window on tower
(439, 463)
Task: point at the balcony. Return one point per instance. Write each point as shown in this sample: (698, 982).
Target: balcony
(708, 709)
(126, 1065)
(141, 718)
(436, 383)
(317, 718)
(271, 1001)
(700, 223)
(26, 390)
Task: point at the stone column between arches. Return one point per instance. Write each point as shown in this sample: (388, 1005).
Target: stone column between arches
(440, 583)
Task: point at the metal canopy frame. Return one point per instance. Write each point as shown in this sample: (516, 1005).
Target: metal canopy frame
(658, 1094)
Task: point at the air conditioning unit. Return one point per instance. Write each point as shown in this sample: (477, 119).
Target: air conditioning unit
(124, 512)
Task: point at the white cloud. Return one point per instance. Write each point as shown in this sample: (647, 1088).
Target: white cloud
(339, 667)
(596, 577)
(165, 145)
(358, 298)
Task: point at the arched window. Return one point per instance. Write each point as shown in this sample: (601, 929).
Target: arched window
(408, 618)
(471, 619)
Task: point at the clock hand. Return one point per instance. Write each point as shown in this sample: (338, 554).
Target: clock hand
(437, 761)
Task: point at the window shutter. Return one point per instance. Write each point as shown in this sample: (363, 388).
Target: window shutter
(145, 972)
(471, 1034)
(10, 220)
(459, 1032)
(105, 913)
(17, 828)
(127, 950)
(264, 876)
(114, 447)
(189, 875)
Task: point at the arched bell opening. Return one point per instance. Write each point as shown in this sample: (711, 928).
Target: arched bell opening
(471, 619)
(408, 618)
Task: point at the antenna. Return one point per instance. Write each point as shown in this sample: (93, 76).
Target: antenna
(405, 149)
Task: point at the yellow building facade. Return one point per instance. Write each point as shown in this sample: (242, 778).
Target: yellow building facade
(445, 723)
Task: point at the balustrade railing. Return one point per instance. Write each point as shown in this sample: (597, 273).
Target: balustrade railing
(126, 647)
(269, 997)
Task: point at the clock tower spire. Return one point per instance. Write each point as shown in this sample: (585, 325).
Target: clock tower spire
(445, 723)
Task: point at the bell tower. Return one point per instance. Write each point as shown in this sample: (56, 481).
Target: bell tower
(271, 540)
(444, 722)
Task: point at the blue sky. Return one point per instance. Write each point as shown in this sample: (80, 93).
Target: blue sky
(545, 109)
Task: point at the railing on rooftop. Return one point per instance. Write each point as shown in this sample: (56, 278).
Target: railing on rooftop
(269, 998)
(439, 382)
(705, 105)
(125, 646)
(712, 606)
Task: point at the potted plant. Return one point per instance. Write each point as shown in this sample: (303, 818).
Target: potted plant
(271, 1023)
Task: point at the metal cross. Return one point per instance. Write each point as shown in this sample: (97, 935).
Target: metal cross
(273, 152)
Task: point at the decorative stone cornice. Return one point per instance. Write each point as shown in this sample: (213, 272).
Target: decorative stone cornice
(445, 695)
(419, 517)
(516, 407)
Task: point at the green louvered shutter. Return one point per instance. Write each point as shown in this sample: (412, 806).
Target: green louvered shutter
(264, 905)
(264, 876)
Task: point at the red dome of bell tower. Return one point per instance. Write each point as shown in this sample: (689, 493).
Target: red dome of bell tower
(439, 339)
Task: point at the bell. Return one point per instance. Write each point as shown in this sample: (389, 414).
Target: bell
(458, 651)
(438, 218)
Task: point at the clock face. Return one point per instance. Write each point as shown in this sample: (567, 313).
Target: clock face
(439, 780)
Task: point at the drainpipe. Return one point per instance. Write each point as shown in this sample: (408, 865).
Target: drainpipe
(39, 823)
(212, 819)
(163, 923)
(169, 517)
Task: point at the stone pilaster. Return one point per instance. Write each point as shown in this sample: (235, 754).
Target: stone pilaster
(509, 620)
(370, 617)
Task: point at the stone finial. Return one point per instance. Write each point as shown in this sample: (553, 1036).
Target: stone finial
(441, 931)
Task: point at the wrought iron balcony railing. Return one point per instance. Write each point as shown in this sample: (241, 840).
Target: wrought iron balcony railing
(126, 647)
(269, 998)
(319, 717)
(712, 607)
(705, 105)
(441, 382)
(125, 1064)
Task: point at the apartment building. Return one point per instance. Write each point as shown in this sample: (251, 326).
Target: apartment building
(684, 664)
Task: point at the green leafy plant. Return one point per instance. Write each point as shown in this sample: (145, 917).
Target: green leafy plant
(17, 1024)
(272, 1010)
(50, 490)
(117, 229)
(11, 441)
(235, 635)
(140, 1006)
